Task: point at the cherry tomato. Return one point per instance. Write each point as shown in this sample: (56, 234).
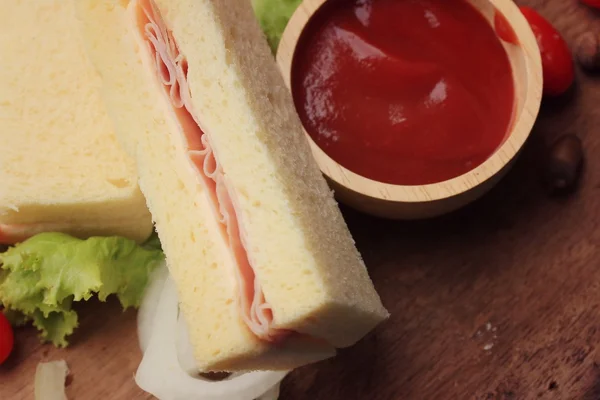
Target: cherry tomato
(7, 338)
(592, 3)
(557, 61)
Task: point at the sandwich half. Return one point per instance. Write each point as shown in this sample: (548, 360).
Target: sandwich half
(267, 272)
(61, 167)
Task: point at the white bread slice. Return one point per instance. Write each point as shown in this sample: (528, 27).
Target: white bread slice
(305, 259)
(61, 167)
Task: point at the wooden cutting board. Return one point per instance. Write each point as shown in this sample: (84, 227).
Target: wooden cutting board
(498, 301)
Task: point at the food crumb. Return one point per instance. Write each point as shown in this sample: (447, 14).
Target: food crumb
(486, 336)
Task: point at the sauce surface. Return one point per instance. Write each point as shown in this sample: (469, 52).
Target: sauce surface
(406, 92)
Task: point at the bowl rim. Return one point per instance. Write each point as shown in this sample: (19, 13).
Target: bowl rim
(501, 157)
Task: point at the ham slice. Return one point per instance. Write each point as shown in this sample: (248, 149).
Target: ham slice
(171, 68)
(16, 233)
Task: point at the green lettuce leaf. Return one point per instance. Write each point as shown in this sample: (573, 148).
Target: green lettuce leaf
(153, 243)
(41, 277)
(273, 16)
(56, 326)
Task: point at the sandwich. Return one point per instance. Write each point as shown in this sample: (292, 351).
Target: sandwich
(267, 274)
(73, 221)
(61, 167)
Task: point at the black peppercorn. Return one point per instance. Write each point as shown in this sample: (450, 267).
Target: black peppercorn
(564, 163)
(588, 51)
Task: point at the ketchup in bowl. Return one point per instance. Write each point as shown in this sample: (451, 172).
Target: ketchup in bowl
(406, 92)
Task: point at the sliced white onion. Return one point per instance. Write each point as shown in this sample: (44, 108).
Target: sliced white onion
(271, 394)
(145, 318)
(185, 352)
(50, 380)
(161, 372)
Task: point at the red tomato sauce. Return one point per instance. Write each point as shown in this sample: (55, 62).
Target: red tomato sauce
(407, 92)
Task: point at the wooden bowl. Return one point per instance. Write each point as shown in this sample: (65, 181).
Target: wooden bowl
(414, 202)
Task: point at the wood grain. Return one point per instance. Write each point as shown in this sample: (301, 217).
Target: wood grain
(498, 301)
(102, 358)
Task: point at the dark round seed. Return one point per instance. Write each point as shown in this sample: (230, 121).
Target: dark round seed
(587, 50)
(564, 162)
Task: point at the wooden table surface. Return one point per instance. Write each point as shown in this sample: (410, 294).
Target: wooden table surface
(498, 301)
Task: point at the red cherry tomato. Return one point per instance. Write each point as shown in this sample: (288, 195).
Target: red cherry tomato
(7, 338)
(592, 3)
(557, 61)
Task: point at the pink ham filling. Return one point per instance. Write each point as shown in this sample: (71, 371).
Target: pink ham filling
(171, 66)
(16, 233)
